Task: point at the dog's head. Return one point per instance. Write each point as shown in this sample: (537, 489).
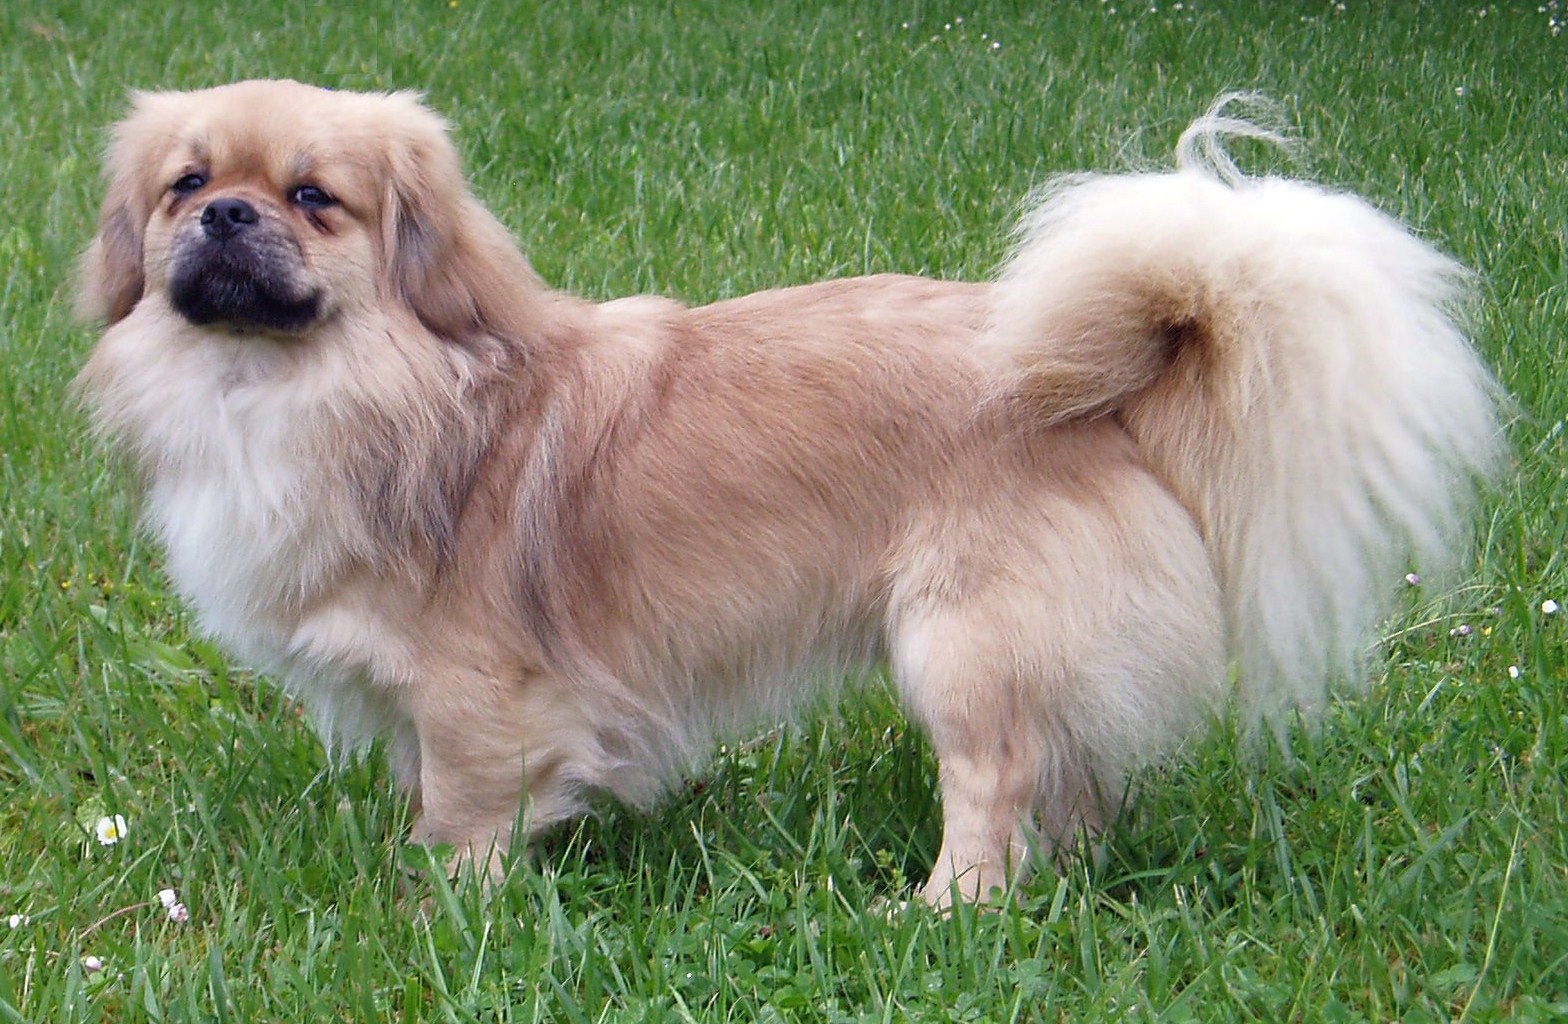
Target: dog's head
(273, 207)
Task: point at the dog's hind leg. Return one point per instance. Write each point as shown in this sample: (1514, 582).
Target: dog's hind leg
(1001, 758)
(1051, 637)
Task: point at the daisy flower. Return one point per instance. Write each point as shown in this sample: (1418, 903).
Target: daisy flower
(111, 829)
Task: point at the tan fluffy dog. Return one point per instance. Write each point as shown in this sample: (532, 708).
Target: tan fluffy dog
(549, 548)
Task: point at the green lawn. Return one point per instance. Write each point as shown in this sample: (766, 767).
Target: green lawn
(1411, 864)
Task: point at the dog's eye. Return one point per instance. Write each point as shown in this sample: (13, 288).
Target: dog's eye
(189, 183)
(311, 197)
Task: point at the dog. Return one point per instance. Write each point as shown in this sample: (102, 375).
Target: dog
(1195, 430)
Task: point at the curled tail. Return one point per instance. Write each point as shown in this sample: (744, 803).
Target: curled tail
(1290, 362)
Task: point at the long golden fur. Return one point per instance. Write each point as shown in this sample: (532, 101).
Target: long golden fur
(550, 548)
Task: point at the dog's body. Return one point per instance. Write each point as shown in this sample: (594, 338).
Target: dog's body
(532, 539)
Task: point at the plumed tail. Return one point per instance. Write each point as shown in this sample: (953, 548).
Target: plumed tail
(1292, 365)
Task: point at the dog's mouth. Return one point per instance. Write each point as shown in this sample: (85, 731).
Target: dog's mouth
(236, 271)
(218, 291)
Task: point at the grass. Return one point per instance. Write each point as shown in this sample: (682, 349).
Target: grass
(1411, 863)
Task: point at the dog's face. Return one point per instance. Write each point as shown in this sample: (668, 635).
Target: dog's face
(235, 246)
(274, 207)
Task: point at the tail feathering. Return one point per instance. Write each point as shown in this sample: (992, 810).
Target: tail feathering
(1292, 364)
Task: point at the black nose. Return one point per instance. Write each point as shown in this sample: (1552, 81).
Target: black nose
(226, 217)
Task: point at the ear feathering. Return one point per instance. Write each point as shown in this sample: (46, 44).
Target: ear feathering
(109, 275)
(454, 265)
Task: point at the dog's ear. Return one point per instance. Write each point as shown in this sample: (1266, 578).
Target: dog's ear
(448, 260)
(109, 278)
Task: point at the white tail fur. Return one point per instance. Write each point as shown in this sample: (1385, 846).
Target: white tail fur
(1289, 360)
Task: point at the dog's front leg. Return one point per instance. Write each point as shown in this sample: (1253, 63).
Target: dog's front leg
(483, 750)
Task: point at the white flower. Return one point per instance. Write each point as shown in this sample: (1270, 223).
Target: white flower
(111, 829)
(17, 920)
(91, 964)
(1549, 607)
(179, 913)
(168, 897)
(1513, 671)
(1412, 578)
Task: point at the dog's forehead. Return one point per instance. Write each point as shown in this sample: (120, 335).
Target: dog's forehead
(283, 154)
(274, 139)
(280, 129)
